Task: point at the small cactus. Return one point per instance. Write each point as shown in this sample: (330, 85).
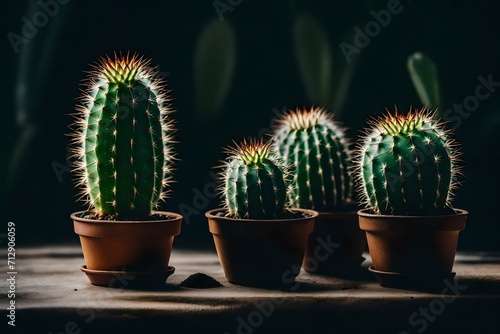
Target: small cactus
(407, 165)
(255, 182)
(315, 147)
(123, 138)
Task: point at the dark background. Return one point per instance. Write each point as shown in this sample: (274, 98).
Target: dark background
(40, 83)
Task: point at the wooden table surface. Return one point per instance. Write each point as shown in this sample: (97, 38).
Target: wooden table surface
(54, 296)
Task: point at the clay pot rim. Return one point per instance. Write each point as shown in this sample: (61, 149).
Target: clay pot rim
(173, 218)
(370, 222)
(211, 214)
(364, 213)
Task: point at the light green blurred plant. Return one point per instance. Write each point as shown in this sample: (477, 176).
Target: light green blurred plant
(423, 74)
(36, 58)
(214, 62)
(326, 84)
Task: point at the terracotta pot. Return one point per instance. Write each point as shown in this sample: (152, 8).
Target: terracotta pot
(260, 252)
(336, 245)
(132, 246)
(414, 248)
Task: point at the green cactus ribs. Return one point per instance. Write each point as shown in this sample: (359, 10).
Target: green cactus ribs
(316, 148)
(123, 142)
(255, 181)
(407, 165)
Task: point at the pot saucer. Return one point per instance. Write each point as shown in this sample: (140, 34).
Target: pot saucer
(127, 279)
(390, 279)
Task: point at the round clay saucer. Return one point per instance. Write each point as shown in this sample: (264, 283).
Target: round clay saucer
(128, 279)
(390, 279)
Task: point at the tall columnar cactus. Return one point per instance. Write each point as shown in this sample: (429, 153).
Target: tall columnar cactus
(315, 146)
(123, 138)
(255, 182)
(407, 165)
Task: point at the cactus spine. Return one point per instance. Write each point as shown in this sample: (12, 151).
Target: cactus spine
(407, 165)
(315, 146)
(255, 182)
(123, 138)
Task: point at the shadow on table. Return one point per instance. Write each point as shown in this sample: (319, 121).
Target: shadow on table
(304, 287)
(360, 274)
(473, 286)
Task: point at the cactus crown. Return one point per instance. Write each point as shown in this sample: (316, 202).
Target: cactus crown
(397, 123)
(123, 138)
(254, 182)
(318, 152)
(304, 119)
(407, 165)
(121, 69)
(252, 152)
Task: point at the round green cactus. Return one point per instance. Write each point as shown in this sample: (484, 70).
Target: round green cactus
(407, 165)
(123, 138)
(255, 182)
(316, 148)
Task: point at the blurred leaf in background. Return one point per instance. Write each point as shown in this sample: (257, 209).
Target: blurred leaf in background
(325, 84)
(213, 67)
(36, 58)
(341, 80)
(315, 58)
(423, 74)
